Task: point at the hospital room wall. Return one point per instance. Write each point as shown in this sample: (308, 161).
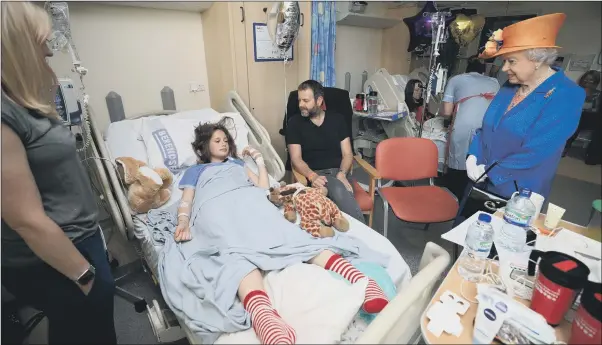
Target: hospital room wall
(136, 52)
(231, 63)
(361, 49)
(358, 49)
(580, 34)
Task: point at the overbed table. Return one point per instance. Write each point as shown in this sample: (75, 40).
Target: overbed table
(452, 283)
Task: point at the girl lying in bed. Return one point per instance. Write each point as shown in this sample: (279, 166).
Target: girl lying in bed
(221, 209)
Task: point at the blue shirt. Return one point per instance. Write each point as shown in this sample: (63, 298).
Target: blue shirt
(469, 115)
(527, 141)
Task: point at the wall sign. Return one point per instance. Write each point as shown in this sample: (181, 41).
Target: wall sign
(264, 48)
(581, 63)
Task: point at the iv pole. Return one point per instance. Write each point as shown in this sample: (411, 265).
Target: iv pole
(438, 37)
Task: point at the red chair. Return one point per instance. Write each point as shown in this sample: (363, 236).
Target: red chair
(410, 159)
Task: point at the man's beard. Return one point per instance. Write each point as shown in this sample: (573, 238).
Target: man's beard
(311, 112)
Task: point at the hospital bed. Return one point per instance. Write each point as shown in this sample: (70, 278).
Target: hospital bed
(391, 91)
(396, 324)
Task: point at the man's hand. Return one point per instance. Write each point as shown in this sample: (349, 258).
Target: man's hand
(319, 182)
(253, 153)
(341, 177)
(183, 232)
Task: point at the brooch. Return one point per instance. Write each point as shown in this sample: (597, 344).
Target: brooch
(549, 93)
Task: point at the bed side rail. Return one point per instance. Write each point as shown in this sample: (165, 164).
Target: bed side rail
(259, 136)
(399, 322)
(115, 192)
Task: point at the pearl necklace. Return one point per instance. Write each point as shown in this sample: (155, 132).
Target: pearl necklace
(540, 80)
(522, 94)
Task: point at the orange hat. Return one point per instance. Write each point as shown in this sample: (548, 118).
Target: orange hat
(538, 32)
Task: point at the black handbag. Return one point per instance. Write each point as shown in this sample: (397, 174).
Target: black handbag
(478, 199)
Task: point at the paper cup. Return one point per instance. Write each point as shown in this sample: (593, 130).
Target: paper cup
(553, 216)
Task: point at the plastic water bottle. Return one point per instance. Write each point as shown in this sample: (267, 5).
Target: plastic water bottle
(517, 217)
(511, 246)
(479, 240)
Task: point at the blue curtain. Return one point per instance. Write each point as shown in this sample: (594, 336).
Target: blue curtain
(323, 38)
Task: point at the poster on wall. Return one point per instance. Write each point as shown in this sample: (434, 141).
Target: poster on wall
(581, 63)
(264, 48)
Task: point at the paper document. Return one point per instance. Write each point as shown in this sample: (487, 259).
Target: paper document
(572, 243)
(457, 235)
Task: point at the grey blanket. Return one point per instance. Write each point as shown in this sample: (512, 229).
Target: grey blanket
(235, 229)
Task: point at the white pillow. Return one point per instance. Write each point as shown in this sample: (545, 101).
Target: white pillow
(319, 312)
(168, 140)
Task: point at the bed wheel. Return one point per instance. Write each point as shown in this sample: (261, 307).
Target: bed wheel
(140, 306)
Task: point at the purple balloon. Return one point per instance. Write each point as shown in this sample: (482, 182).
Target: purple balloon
(421, 27)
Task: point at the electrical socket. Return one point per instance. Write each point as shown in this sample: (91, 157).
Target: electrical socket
(196, 86)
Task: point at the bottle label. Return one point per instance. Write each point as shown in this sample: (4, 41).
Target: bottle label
(516, 218)
(483, 249)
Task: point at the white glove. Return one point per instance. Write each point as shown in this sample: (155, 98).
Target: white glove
(255, 154)
(473, 171)
(481, 169)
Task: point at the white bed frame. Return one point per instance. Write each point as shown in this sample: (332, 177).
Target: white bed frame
(114, 192)
(398, 323)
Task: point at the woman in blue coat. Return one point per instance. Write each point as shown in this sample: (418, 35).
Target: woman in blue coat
(527, 124)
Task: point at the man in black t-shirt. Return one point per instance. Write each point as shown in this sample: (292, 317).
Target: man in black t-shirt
(320, 148)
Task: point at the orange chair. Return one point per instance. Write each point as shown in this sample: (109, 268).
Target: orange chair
(410, 159)
(364, 199)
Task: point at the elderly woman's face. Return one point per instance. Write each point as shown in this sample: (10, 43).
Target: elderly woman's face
(518, 66)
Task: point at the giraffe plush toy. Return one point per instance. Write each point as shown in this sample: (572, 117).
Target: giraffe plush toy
(318, 213)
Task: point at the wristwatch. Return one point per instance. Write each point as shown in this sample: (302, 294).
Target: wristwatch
(87, 276)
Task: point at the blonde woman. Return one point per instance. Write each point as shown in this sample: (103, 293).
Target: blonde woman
(52, 254)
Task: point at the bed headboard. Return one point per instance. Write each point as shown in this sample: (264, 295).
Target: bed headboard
(258, 135)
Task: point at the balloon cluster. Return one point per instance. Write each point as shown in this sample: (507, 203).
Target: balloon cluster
(283, 24)
(463, 28)
(423, 27)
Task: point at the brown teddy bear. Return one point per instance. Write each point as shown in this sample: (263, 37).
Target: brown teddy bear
(318, 213)
(147, 188)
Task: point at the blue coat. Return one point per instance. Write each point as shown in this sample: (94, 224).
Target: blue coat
(528, 140)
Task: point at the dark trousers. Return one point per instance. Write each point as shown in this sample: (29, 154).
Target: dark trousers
(456, 181)
(73, 318)
(343, 198)
(594, 150)
(587, 121)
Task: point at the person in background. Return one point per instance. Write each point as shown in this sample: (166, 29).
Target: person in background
(528, 122)
(53, 256)
(466, 99)
(414, 98)
(320, 148)
(590, 120)
(593, 156)
(496, 71)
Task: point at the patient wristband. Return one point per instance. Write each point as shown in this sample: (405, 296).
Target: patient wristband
(183, 215)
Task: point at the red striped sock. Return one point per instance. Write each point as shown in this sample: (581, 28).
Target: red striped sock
(375, 299)
(268, 325)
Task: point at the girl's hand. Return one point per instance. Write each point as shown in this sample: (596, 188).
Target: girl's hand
(255, 154)
(183, 232)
